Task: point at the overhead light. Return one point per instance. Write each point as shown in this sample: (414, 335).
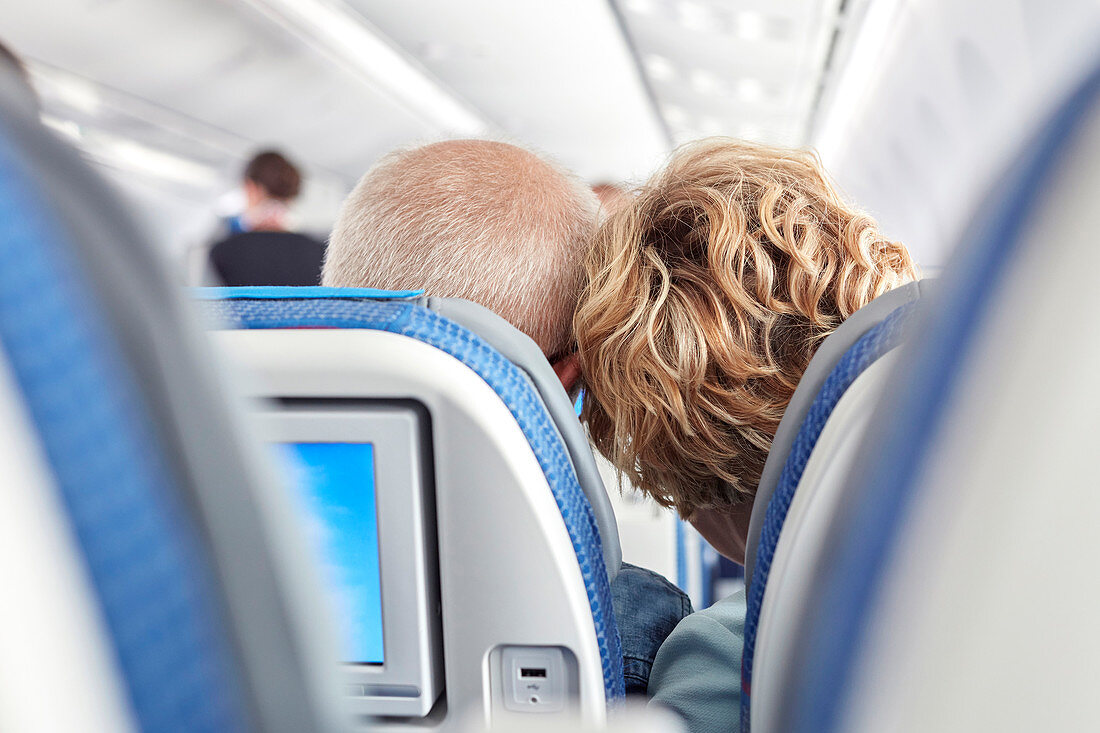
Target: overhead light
(706, 82)
(66, 128)
(347, 38)
(750, 90)
(695, 16)
(849, 89)
(70, 90)
(659, 68)
(712, 126)
(751, 26)
(157, 163)
(641, 7)
(750, 132)
(675, 116)
(127, 155)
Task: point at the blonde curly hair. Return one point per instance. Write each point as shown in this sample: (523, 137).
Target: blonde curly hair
(707, 296)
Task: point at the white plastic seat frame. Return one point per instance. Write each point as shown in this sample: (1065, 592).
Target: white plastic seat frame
(508, 571)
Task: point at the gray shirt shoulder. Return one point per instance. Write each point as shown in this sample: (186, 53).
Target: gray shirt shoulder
(697, 671)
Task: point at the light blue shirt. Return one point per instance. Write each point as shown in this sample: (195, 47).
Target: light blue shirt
(697, 671)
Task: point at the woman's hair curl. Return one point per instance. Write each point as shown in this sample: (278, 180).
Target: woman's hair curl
(707, 296)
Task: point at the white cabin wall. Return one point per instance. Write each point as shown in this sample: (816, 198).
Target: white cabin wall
(925, 96)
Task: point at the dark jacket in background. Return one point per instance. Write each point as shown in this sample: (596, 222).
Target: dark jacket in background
(268, 258)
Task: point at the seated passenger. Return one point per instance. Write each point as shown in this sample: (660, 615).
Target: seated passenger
(707, 296)
(258, 248)
(495, 224)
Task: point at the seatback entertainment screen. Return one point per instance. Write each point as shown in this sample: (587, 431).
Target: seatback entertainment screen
(337, 484)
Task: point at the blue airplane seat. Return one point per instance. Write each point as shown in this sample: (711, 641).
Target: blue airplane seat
(154, 503)
(876, 329)
(825, 360)
(957, 592)
(410, 314)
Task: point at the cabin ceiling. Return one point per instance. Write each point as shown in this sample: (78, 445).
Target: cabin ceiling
(189, 87)
(748, 68)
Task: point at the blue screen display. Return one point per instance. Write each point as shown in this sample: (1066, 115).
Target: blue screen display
(337, 484)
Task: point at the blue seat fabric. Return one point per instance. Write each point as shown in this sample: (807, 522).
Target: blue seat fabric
(865, 352)
(415, 321)
(141, 548)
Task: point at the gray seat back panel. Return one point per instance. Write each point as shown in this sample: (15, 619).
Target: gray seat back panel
(822, 364)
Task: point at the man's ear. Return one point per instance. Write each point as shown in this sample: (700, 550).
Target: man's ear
(568, 369)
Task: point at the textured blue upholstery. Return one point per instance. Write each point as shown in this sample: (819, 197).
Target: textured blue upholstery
(507, 380)
(141, 549)
(865, 352)
(884, 489)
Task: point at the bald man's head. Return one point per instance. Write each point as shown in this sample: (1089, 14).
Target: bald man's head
(484, 221)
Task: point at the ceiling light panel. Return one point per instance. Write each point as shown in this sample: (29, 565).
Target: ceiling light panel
(559, 76)
(734, 65)
(351, 40)
(224, 65)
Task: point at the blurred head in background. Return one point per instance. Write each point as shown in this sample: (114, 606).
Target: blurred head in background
(474, 219)
(271, 183)
(611, 196)
(15, 79)
(709, 292)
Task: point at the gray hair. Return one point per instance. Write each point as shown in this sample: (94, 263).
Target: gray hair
(474, 219)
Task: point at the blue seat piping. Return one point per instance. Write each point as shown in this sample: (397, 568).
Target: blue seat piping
(866, 351)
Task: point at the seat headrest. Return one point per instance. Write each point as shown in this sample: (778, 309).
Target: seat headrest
(825, 359)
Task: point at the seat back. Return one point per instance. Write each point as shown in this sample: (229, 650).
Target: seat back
(956, 592)
(151, 539)
(813, 508)
(882, 330)
(825, 359)
(522, 555)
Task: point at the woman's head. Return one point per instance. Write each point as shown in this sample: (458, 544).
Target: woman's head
(273, 176)
(708, 295)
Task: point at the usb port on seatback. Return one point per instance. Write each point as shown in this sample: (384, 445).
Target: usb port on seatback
(532, 672)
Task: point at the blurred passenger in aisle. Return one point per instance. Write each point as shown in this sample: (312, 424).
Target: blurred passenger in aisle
(258, 248)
